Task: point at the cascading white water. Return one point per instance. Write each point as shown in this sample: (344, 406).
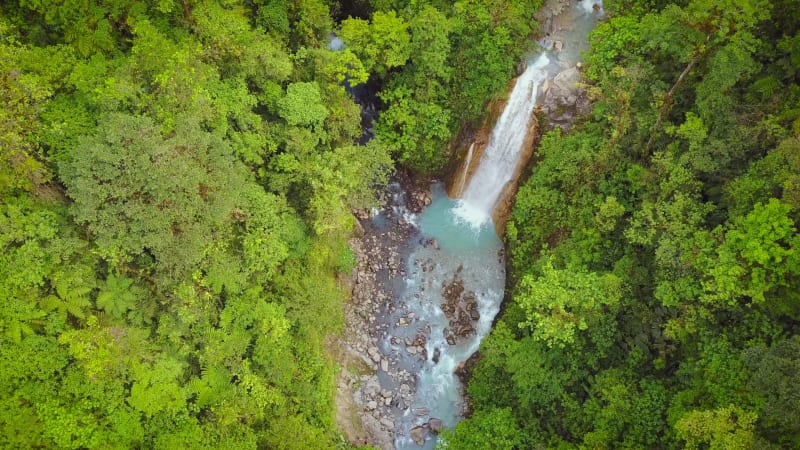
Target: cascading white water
(500, 159)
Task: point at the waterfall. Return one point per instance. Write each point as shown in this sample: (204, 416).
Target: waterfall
(499, 161)
(448, 285)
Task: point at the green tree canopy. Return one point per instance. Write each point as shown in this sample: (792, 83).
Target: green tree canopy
(139, 192)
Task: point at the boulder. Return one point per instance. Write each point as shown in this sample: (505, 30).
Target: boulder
(435, 425)
(418, 434)
(449, 336)
(387, 423)
(374, 354)
(565, 98)
(567, 80)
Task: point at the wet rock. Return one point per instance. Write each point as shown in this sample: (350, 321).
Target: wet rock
(435, 425)
(452, 290)
(384, 364)
(418, 434)
(521, 67)
(423, 411)
(449, 337)
(464, 330)
(436, 355)
(461, 309)
(430, 242)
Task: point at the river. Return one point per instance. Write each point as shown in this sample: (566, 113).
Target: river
(443, 299)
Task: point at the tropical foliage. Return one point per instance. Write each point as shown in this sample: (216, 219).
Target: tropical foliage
(654, 249)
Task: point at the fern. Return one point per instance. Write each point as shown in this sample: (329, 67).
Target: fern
(767, 86)
(72, 296)
(118, 296)
(213, 386)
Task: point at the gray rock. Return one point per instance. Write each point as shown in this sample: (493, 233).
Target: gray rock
(418, 434)
(474, 314)
(567, 80)
(374, 354)
(435, 425)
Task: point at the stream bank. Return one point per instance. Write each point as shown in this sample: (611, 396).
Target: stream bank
(363, 407)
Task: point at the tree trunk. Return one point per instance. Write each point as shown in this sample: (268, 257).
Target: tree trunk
(667, 103)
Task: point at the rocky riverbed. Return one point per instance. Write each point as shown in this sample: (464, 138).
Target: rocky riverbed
(421, 301)
(424, 292)
(563, 33)
(372, 385)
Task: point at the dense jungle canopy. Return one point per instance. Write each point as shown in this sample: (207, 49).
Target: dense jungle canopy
(178, 179)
